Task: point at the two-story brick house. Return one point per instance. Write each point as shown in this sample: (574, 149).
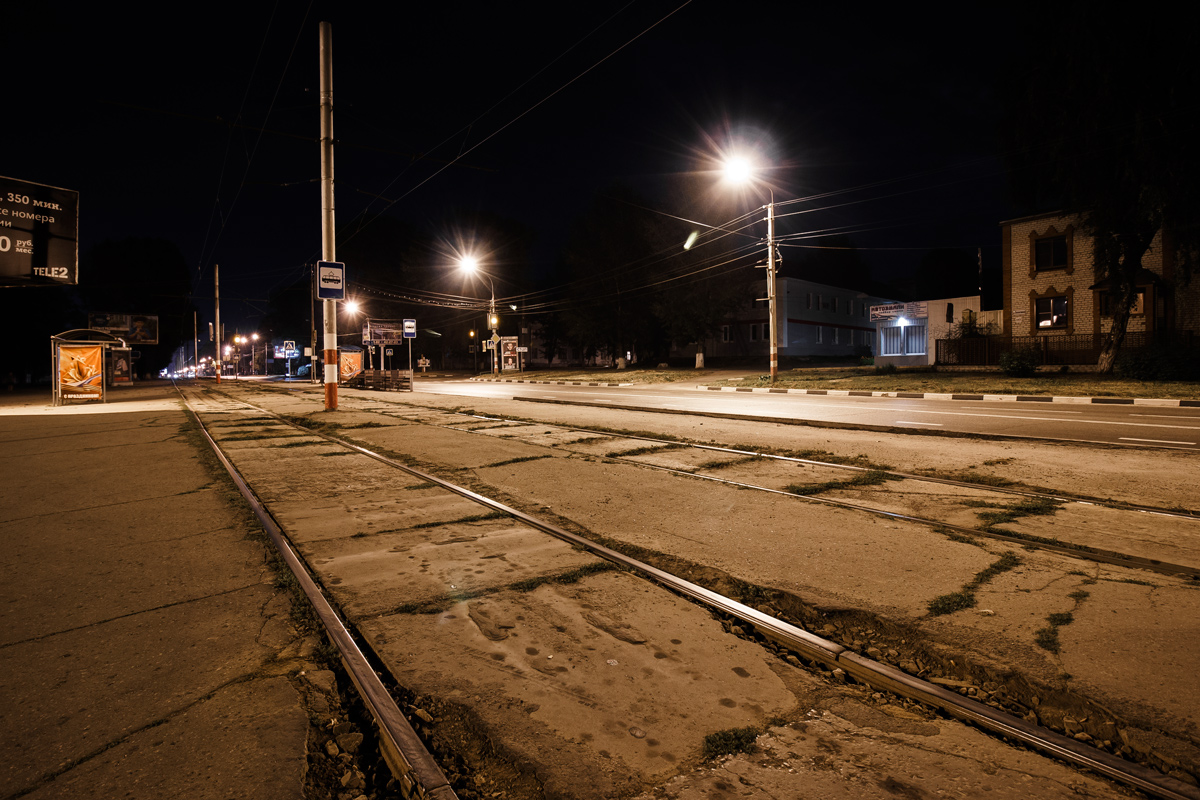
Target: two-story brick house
(1051, 288)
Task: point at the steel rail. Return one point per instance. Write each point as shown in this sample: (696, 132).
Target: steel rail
(410, 763)
(1084, 552)
(1166, 512)
(815, 648)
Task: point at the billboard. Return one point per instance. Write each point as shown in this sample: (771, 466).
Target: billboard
(349, 365)
(133, 328)
(508, 353)
(376, 332)
(81, 371)
(39, 234)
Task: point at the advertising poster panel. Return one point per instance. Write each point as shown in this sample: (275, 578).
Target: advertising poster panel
(133, 328)
(376, 332)
(508, 353)
(349, 365)
(122, 360)
(81, 371)
(39, 234)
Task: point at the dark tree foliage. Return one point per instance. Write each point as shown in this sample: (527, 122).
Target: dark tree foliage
(1103, 123)
(831, 260)
(139, 276)
(615, 255)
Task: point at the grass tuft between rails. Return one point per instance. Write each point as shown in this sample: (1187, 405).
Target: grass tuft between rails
(965, 597)
(872, 477)
(730, 741)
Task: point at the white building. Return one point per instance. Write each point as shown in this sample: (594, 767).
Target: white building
(908, 332)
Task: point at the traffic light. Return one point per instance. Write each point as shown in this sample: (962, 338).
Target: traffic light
(494, 321)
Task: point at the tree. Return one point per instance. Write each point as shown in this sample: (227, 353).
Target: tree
(140, 276)
(1103, 124)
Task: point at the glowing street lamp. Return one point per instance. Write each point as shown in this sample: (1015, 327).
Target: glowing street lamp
(740, 171)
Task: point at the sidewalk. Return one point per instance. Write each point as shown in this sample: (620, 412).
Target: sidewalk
(144, 650)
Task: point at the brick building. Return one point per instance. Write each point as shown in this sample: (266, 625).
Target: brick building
(1050, 285)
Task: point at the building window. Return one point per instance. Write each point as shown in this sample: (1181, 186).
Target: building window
(908, 340)
(823, 303)
(726, 334)
(1051, 250)
(950, 313)
(1106, 304)
(766, 331)
(819, 336)
(1050, 312)
(835, 335)
(754, 333)
(809, 300)
(835, 301)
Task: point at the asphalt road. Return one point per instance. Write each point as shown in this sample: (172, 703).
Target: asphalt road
(1126, 425)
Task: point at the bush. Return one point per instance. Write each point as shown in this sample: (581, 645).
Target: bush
(885, 369)
(1157, 364)
(1020, 362)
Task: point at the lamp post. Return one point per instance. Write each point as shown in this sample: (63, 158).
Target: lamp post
(470, 265)
(738, 170)
(253, 342)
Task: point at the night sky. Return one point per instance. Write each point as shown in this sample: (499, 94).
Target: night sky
(202, 128)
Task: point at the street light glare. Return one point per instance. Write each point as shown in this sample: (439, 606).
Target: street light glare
(469, 263)
(738, 170)
(352, 307)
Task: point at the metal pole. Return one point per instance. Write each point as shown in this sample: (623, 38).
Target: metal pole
(328, 245)
(217, 327)
(195, 344)
(771, 299)
(492, 323)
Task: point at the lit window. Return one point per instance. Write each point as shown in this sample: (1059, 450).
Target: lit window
(1051, 312)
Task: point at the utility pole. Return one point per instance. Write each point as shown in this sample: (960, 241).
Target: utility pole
(195, 344)
(328, 245)
(217, 294)
(772, 301)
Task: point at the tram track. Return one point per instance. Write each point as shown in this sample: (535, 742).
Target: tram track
(805, 644)
(1074, 550)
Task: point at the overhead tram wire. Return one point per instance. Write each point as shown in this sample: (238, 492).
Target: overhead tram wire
(205, 257)
(517, 118)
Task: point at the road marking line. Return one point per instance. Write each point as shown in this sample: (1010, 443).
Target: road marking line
(1165, 416)
(1155, 441)
(908, 422)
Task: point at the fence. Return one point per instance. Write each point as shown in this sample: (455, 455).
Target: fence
(388, 380)
(1080, 348)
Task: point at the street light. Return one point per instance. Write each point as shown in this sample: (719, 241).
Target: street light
(740, 171)
(470, 265)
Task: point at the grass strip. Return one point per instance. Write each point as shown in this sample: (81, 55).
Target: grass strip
(471, 518)
(520, 460)
(872, 477)
(965, 597)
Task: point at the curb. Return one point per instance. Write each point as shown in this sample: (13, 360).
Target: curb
(1013, 398)
(552, 383)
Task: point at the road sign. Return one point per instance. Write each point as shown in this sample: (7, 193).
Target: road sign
(331, 280)
(388, 351)
(522, 349)
(495, 340)
(410, 329)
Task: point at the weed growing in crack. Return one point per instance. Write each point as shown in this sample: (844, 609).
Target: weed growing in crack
(965, 598)
(520, 460)
(1047, 639)
(471, 518)
(641, 451)
(571, 576)
(730, 741)
(872, 477)
(1029, 507)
